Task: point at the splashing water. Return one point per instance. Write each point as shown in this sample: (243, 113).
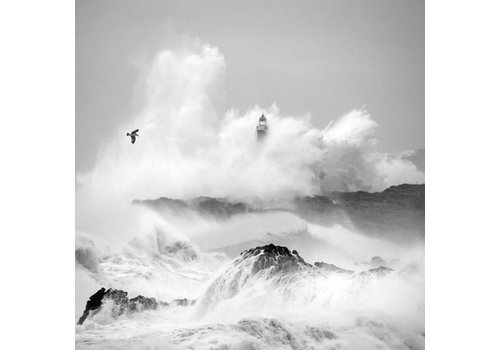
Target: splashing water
(188, 149)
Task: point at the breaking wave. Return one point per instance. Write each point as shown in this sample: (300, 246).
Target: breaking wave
(257, 300)
(187, 148)
(265, 298)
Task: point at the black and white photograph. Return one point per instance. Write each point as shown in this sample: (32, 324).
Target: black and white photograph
(249, 175)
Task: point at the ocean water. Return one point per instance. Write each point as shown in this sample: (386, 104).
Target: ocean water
(238, 309)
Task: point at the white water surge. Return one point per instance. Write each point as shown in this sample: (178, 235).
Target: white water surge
(312, 308)
(188, 149)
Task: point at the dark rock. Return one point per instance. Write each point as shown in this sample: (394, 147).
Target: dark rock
(276, 257)
(123, 304)
(119, 298)
(269, 262)
(317, 209)
(140, 303)
(397, 212)
(94, 303)
(218, 208)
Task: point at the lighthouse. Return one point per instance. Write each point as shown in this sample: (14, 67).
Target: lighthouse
(262, 127)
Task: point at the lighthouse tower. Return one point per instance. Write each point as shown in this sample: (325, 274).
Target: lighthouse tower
(262, 128)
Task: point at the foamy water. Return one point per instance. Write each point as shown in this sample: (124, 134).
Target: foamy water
(310, 309)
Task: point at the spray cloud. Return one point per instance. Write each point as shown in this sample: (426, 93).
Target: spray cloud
(187, 149)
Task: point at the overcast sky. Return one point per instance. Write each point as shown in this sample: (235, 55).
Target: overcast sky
(318, 57)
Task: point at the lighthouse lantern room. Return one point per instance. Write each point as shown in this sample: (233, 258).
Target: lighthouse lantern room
(262, 127)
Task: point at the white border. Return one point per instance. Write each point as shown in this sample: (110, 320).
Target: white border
(462, 178)
(37, 106)
(37, 173)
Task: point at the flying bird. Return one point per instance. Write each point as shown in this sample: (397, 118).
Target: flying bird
(133, 135)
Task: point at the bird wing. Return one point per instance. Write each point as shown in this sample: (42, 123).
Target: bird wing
(135, 131)
(133, 138)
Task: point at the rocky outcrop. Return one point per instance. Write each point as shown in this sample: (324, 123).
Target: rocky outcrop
(272, 263)
(140, 303)
(122, 304)
(276, 266)
(280, 259)
(397, 212)
(269, 262)
(94, 303)
(218, 208)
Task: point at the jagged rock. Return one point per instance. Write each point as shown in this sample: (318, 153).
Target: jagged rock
(331, 267)
(123, 304)
(397, 212)
(95, 302)
(269, 262)
(119, 298)
(140, 303)
(277, 257)
(219, 208)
